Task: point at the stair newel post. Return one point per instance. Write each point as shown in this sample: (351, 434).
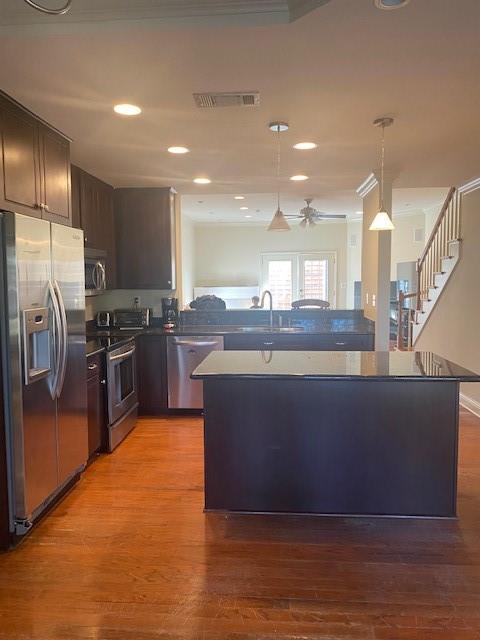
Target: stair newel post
(419, 285)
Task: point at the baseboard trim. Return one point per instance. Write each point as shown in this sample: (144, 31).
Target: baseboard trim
(470, 404)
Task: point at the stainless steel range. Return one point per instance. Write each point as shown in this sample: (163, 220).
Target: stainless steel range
(122, 394)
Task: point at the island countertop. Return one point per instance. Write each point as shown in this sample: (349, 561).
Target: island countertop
(331, 365)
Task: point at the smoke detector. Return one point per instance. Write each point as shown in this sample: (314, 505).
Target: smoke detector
(227, 99)
(390, 4)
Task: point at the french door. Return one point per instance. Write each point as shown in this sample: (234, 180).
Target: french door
(299, 276)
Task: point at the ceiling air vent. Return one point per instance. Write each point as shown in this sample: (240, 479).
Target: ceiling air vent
(227, 99)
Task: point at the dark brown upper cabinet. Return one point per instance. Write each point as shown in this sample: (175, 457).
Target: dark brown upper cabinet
(145, 231)
(92, 211)
(34, 166)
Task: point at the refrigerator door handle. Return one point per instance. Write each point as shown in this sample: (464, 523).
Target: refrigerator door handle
(57, 341)
(64, 342)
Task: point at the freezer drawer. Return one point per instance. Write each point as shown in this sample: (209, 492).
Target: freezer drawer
(184, 354)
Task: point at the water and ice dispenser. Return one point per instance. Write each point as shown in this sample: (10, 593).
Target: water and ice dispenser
(36, 344)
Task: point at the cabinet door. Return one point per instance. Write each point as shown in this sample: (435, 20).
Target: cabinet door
(106, 229)
(75, 188)
(145, 231)
(55, 157)
(90, 211)
(19, 178)
(152, 374)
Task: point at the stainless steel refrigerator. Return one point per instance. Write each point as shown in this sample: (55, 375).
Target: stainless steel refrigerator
(43, 359)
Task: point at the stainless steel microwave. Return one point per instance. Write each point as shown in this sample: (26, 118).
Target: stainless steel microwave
(95, 272)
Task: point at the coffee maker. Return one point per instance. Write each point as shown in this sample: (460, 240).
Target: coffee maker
(170, 312)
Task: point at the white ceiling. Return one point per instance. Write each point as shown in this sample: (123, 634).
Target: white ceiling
(329, 74)
(213, 209)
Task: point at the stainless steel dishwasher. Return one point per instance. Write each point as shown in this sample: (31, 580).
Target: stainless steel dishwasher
(184, 354)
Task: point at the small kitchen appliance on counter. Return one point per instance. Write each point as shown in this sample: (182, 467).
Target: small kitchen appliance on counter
(170, 312)
(131, 318)
(103, 319)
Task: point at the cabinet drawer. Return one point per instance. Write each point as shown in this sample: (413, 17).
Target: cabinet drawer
(299, 342)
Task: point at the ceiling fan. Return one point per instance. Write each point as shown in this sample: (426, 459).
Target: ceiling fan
(310, 216)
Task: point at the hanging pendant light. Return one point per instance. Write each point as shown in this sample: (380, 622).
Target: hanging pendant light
(382, 221)
(279, 222)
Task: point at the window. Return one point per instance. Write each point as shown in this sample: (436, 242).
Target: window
(297, 276)
(280, 283)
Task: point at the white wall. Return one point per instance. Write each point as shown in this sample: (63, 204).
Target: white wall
(354, 258)
(231, 254)
(404, 247)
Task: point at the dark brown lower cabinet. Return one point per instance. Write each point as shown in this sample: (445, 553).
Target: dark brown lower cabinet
(152, 374)
(96, 403)
(299, 342)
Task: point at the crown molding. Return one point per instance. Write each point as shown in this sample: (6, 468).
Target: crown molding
(470, 186)
(15, 15)
(367, 185)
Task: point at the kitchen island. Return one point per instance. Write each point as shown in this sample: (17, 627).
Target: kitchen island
(337, 433)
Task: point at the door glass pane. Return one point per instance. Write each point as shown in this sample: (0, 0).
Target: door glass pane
(280, 283)
(315, 279)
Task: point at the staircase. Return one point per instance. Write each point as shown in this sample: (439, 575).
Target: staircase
(437, 262)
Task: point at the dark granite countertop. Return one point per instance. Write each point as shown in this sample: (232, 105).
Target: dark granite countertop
(331, 365)
(212, 330)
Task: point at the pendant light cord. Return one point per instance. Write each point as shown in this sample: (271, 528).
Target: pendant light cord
(52, 12)
(382, 168)
(278, 168)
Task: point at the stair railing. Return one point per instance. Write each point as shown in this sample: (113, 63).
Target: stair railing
(445, 230)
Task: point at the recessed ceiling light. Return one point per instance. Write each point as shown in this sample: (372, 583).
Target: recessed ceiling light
(239, 197)
(178, 150)
(390, 4)
(202, 180)
(243, 208)
(248, 216)
(299, 178)
(359, 213)
(304, 146)
(127, 109)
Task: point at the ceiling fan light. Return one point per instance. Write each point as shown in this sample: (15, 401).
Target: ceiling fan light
(303, 224)
(279, 222)
(382, 222)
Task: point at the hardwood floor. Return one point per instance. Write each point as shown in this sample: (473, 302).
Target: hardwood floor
(130, 555)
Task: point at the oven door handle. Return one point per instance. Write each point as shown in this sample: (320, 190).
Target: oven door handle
(121, 355)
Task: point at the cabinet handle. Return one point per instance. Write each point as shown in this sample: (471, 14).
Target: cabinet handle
(268, 344)
(340, 344)
(85, 239)
(103, 382)
(92, 367)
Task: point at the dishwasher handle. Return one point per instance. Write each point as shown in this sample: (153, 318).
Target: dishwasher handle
(194, 343)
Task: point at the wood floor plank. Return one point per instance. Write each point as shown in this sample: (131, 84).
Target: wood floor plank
(130, 555)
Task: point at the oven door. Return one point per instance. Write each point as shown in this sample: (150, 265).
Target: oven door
(122, 381)
(95, 276)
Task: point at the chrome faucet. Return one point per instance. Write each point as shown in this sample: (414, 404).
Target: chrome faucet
(262, 304)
